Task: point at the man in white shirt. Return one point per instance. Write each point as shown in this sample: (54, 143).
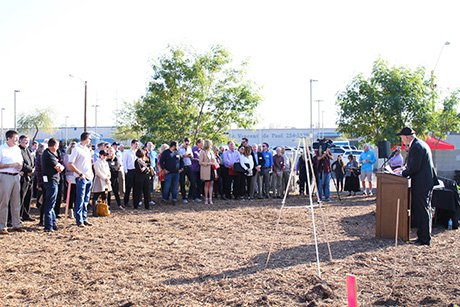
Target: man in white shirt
(186, 153)
(80, 163)
(10, 166)
(129, 157)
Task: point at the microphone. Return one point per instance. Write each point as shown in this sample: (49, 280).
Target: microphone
(394, 152)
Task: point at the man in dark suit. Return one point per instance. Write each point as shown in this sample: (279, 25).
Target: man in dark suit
(421, 170)
(259, 161)
(28, 168)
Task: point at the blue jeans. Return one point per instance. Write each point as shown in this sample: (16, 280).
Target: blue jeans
(51, 190)
(171, 181)
(324, 181)
(82, 199)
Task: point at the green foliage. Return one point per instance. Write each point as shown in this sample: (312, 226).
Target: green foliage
(374, 109)
(195, 95)
(128, 124)
(38, 119)
(447, 119)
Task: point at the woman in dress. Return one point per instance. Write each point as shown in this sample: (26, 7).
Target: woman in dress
(141, 180)
(207, 172)
(339, 169)
(101, 184)
(351, 176)
(114, 166)
(70, 177)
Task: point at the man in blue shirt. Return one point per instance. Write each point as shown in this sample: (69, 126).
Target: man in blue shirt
(367, 159)
(267, 169)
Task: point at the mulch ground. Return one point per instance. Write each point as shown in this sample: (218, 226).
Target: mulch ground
(215, 255)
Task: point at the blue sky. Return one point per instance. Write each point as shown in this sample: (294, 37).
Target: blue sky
(110, 44)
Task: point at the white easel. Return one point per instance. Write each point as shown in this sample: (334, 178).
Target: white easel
(309, 206)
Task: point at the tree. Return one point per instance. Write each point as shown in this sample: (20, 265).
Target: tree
(197, 95)
(38, 119)
(375, 108)
(129, 127)
(447, 119)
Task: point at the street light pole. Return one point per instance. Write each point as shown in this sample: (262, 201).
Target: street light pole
(66, 131)
(311, 107)
(86, 102)
(322, 122)
(95, 106)
(15, 123)
(432, 76)
(2, 109)
(319, 121)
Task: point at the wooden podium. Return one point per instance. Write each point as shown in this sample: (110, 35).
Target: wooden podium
(390, 188)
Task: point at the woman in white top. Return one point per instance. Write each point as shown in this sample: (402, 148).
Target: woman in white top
(247, 163)
(207, 173)
(101, 184)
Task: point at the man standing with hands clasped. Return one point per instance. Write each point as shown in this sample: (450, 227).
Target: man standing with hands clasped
(51, 176)
(420, 169)
(10, 167)
(367, 160)
(80, 163)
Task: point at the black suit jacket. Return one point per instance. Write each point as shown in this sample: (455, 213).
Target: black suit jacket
(28, 164)
(420, 168)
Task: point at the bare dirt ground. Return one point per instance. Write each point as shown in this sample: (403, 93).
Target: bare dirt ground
(215, 255)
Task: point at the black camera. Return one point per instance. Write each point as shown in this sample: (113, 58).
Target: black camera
(323, 144)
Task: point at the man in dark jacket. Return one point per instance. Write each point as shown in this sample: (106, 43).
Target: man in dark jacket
(172, 165)
(28, 168)
(421, 170)
(51, 176)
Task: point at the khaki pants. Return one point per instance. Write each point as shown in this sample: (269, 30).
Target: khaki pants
(10, 193)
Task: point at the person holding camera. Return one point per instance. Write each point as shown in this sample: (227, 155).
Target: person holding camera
(324, 173)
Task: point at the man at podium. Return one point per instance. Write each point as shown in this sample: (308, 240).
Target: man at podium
(420, 169)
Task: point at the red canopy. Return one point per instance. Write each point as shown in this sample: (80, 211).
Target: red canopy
(431, 141)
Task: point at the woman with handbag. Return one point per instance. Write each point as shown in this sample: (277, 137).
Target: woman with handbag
(101, 184)
(141, 180)
(247, 164)
(115, 170)
(207, 172)
(352, 176)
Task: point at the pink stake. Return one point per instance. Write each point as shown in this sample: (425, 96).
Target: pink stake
(351, 291)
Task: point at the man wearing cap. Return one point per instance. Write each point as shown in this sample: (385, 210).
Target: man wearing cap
(421, 170)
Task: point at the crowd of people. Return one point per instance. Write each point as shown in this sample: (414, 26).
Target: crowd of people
(48, 170)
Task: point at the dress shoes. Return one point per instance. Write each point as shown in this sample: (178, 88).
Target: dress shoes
(420, 242)
(29, 219)
(19, 229)
(86, 223)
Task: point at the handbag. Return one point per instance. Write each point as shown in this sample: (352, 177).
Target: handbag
(238, 168)
(102, 209)
(357, 172)
(215, 166)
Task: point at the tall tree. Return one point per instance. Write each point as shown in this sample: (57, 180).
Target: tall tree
(197, 95)
(374, 108)
(447, 119)
(38, 119)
